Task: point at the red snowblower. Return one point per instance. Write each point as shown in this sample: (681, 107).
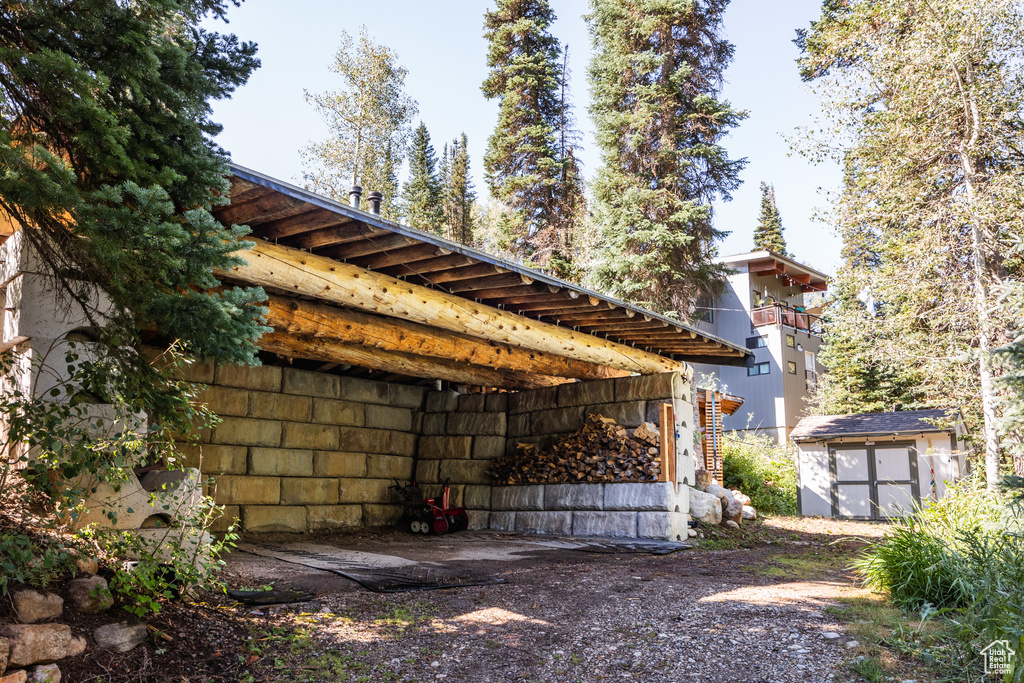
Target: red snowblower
(430, 515)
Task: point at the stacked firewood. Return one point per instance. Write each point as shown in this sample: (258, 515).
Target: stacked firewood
(602, 451)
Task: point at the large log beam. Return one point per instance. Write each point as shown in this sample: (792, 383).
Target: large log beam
(323, 278)
(331, 351)
(390, 334)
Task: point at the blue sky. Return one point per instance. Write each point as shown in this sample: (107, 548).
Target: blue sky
(441, 43)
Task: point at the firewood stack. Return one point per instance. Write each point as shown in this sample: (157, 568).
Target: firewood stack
(602, 451)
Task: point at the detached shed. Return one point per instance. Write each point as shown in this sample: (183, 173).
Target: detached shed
(877, 465)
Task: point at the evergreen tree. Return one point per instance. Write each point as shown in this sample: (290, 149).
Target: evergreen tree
(768, 234)
(369, 118)
(421, 194)
(110, 170)
(522, 164)
(459, 196)
(655, 77)
(934, 96)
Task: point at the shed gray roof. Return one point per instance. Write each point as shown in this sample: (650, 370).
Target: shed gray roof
(868, 424)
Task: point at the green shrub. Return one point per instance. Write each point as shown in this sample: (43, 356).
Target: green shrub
(763, 470)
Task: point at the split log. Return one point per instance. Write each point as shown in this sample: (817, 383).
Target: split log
(355, 327)
(400, 363)
(323, 278)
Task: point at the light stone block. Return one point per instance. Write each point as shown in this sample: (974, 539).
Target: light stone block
(477, 497)
(344, 413)
(573, 496)
(318, 491)
(466, 471)
(365, 391)
(326, 517)
(381, 515)
(502, 521)
(519, 425)
(248, 490)
(555, 523)
(262, 378)
(478, 519)
(642, 496)
(406, 396)
(314, 436)
(214, 458)
(606, 524)
(388, 417)
(232, 514)
(445, 447)
(274, 518)
(389, 467)
(629, 414)
(305, 383)
(428, 471)
(517, 497)
(226, 401)
(243, 431)
(403, 443)
(472, 403)
(356, 440)
(339, 464)
(666, 526)
(496, 403)
(533, 400)
(557, 421)
(488, 447)
(442, 402)
(365, 491)
(280, 406)
(434, 424)
(487, 424)
(586, 393)
(281, 462)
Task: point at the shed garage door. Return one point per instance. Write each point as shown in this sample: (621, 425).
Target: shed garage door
(873, 481)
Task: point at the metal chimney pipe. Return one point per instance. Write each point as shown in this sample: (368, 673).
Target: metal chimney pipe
(353, 196)
(375, 198)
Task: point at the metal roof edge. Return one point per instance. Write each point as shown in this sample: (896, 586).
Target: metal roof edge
(381, 222)
(825, 437)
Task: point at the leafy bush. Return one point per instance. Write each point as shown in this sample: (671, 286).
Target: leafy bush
(763, 470)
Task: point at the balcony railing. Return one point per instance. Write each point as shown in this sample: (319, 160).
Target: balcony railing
(786, 316)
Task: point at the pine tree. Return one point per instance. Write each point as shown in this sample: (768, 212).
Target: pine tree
(421, 194)
(109, 169)
(459, 197)
(655, 77)
(522, 165)
(933, 93)
(768, 234)
(369, 118)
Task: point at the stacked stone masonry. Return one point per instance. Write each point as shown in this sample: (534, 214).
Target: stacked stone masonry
(300, 451)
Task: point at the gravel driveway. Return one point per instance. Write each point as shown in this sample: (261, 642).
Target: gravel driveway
(756, 613)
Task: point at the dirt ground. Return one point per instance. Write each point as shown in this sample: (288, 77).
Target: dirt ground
(749, 606)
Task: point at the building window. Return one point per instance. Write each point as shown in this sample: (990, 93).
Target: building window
(790, 341)
(757, 342)
(759, 369)
(791, 367)
(704, 310)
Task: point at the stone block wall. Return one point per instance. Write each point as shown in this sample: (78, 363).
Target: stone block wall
(461, 435)
(304, 451)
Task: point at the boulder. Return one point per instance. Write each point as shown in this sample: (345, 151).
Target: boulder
(705, 508)
(32, 606)
(715, 490)
(702, 479)
(19, 676)
(36, 643)
(120, 637)
(77, 646)
(741, 497)
(90, 595)
(87, 565)
(733, 512)
(691, 533)
(5, 649)
(731, 524)
(749, 512)
(44, 673)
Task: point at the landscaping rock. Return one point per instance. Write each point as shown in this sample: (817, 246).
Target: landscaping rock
(90, 595)
(703, 479)
(692, 533)
(32, 606)
(731, 524)
(87, 565)
(741, 497)
(5, 649)
(852, 644)
(705, 507)
(45, 673)
(715, 490)
(120, 637)
(830, 635)
(77, 646)
(749, 512)
(14, 677)
(36, 643)
(733, 511)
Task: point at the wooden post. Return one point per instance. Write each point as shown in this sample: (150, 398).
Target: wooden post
(667, 432)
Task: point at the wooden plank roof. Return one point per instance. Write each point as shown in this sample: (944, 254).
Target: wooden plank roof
(290, 216)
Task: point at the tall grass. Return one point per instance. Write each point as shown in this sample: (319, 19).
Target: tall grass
(963, 555)
(763, 470)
